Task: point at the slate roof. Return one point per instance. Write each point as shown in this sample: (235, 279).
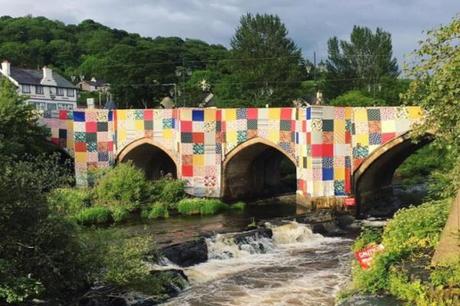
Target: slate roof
(33, 77)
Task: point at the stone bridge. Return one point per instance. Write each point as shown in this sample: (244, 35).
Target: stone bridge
(329, 152)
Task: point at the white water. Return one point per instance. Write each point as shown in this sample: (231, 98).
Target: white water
(295, 267)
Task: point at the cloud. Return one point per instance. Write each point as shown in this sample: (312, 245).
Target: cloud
(310, 22)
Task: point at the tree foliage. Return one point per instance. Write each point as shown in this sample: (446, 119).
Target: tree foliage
(436, 87)
(366, 62)
(265, 65)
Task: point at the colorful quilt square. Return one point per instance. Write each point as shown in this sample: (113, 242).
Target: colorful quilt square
(328, 162)
(285, 125)
(328, 125)
(198, 137)
(286, 114)
(241, 113)
(198, 148)
(373, 114)
(102, 126)
(375, 138)
(186, 137)
(328, 174)
(198, 115)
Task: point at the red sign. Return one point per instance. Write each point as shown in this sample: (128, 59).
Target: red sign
(366, 255)
(350, 202)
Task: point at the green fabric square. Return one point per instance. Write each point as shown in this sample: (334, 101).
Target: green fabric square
(148, 125)
(252, 124)
(198, 148)
(242, 136)
(285, 125)
(328, 125)
(373, 114)
(91, 137)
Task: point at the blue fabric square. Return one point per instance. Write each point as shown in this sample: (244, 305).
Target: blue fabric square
(328, 174)
(297, 138)
(198, 115)
(308, 113)
(62, 133)
(339, 187)
(103, 156)
(79, 116)
(375, 139)
(110, 115)
(241, 113)
(328, 162)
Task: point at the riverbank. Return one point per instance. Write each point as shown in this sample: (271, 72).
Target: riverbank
(403, 269)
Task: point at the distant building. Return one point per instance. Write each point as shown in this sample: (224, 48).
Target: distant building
(45, 89)
(94, 85)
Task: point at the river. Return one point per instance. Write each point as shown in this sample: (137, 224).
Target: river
(294, 267)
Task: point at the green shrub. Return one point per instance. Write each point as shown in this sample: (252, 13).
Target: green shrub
(158, 210)
(94, 216)
(120, 214)
(199, 206)
(68, 201)
(368, 235)
(412, 231)
(446, 275)
(123, 185)
(238, 206)
(168, 191)
(356, 98)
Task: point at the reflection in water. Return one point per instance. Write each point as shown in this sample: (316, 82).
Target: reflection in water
(296, 267)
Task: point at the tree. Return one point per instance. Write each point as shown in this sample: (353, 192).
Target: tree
(435, 70)
(20, 132)
(265, 65)
(361, 64)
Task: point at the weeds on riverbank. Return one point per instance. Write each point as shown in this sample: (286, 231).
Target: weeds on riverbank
(403, 268)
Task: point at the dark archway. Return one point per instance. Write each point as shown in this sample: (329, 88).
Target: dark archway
(258, 169)
(155, 161)
(372, 180)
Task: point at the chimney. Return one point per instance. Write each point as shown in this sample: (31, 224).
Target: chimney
(48, 78)
(6, 67)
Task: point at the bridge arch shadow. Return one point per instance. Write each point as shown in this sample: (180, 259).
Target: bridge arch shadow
(155, 160)
(256, 169)
(372, 180)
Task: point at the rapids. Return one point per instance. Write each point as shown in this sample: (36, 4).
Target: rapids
(294, 267)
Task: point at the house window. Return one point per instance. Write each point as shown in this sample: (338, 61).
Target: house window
(39, 90)
(59, 91)
(25, 88)
(70, 93)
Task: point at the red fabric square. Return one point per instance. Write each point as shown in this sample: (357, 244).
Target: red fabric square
(286, 113)
(347, 180)
(186, 126)
(55, 140)
(80, 147)
(198, 137)
(91, 127)
(293, 125)
(308, 137)
(347, 137)
(328, 150)
(316, 150)
(387, 137)
(218, 115)
(304, 126)
(110, 146)
(148, 115)
(301, 185)
(187, 170)
(63, 114)
(252, 113)
(224, 126)
(356, 163)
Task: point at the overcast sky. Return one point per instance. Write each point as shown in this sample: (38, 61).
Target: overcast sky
(310, 22)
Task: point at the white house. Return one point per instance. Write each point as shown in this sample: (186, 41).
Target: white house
(45, 89)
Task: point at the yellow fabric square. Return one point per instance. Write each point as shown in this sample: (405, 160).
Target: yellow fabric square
(363, 139)
(167, 133)
(339, 125)
(415, 112)
(339, 173)
(348, 112)
(209, 115)
(121, 114)
(139, 125)
(274, 136)
(229, 114)
(186, 114)
(121, 135)
(231, 137)
(388, 126)
(81, 157)
(360, 114)
(274, 114)
(198, 160)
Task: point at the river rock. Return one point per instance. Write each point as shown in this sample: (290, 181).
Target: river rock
(256, 234)
(327, 229)
(188, 253)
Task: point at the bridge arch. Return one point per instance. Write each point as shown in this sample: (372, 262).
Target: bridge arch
(257, 168)
(153, 158)
(372, 179)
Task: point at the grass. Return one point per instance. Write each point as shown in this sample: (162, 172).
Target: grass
(238, 206)
(94, 216)
(158, 210)
(198, 206)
